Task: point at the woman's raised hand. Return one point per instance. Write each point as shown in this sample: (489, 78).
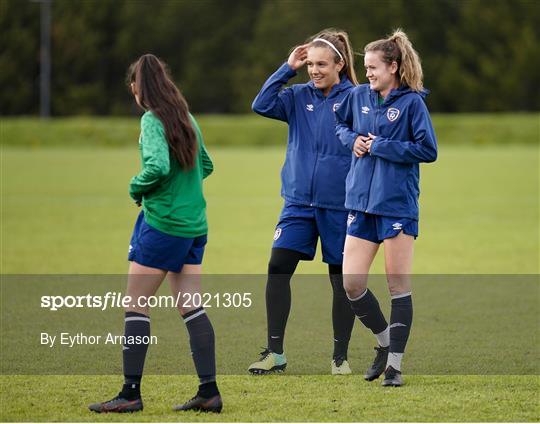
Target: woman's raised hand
(298, 57)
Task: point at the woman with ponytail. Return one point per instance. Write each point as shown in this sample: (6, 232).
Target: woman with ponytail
(313, 186)
(387, 127)
(170, 233)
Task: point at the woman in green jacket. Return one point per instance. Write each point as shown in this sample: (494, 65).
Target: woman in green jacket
(170, 233)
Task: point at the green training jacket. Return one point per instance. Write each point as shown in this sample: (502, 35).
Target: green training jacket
(172, 198)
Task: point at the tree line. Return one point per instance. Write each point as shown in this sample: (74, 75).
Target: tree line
(478, 55)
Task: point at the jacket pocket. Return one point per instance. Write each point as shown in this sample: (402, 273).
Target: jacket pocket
(330, 176)
(297, 174)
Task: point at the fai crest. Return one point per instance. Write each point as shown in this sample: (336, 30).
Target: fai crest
(277, 233)
(392, 114)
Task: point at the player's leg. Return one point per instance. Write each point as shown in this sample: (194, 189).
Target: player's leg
(332, 228)
(361, 246)
(281, 267)
(295, 239)
(201, 338)
(143, 282)
(398, 252)
(342, 321)
(282, 264)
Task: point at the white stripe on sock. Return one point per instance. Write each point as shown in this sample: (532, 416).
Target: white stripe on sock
(397, 324)
(399, 296)
(195, 315)
(357, 298)
(137, 319)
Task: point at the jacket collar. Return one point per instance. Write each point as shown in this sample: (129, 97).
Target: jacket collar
(396, 93)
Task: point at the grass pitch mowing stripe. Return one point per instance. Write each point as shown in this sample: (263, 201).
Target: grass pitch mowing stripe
(67, 211)
(451, 334)
(281, 398)
(253, 130)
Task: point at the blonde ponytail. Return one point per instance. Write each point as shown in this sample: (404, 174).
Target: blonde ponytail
(398, 48)
(410, 70)
(348, 55)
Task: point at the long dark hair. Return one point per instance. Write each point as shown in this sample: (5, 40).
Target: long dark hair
(158, 93)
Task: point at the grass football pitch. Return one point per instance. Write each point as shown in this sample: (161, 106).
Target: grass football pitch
(473, 353)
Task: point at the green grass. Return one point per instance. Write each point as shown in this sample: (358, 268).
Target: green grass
(242, 130)
(479, 210)
(462, 336)
(256, 399)
(66, 211)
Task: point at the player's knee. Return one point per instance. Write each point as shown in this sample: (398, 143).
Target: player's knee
(396, 291)
(138, 309)
(277, 268)
(354, 286)
(185, 308)
(398, 284)
(335, 273)
(283, 262)
(337, 286)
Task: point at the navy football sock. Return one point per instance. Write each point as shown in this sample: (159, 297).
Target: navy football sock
(281, 267)
(342, 314)
(130, 391)
(202, 343)
(137, 326)
(367, 309)
(400, 322)
(208, 390)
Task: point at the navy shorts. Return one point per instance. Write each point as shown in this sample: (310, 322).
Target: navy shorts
(376, 228)
(300, 227)
(155, 249)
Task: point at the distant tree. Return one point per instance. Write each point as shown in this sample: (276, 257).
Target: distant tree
(493, 57)
(477, 55)
(19, 57)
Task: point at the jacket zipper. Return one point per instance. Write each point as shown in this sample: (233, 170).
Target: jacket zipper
(377, 109)
(318, 136)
